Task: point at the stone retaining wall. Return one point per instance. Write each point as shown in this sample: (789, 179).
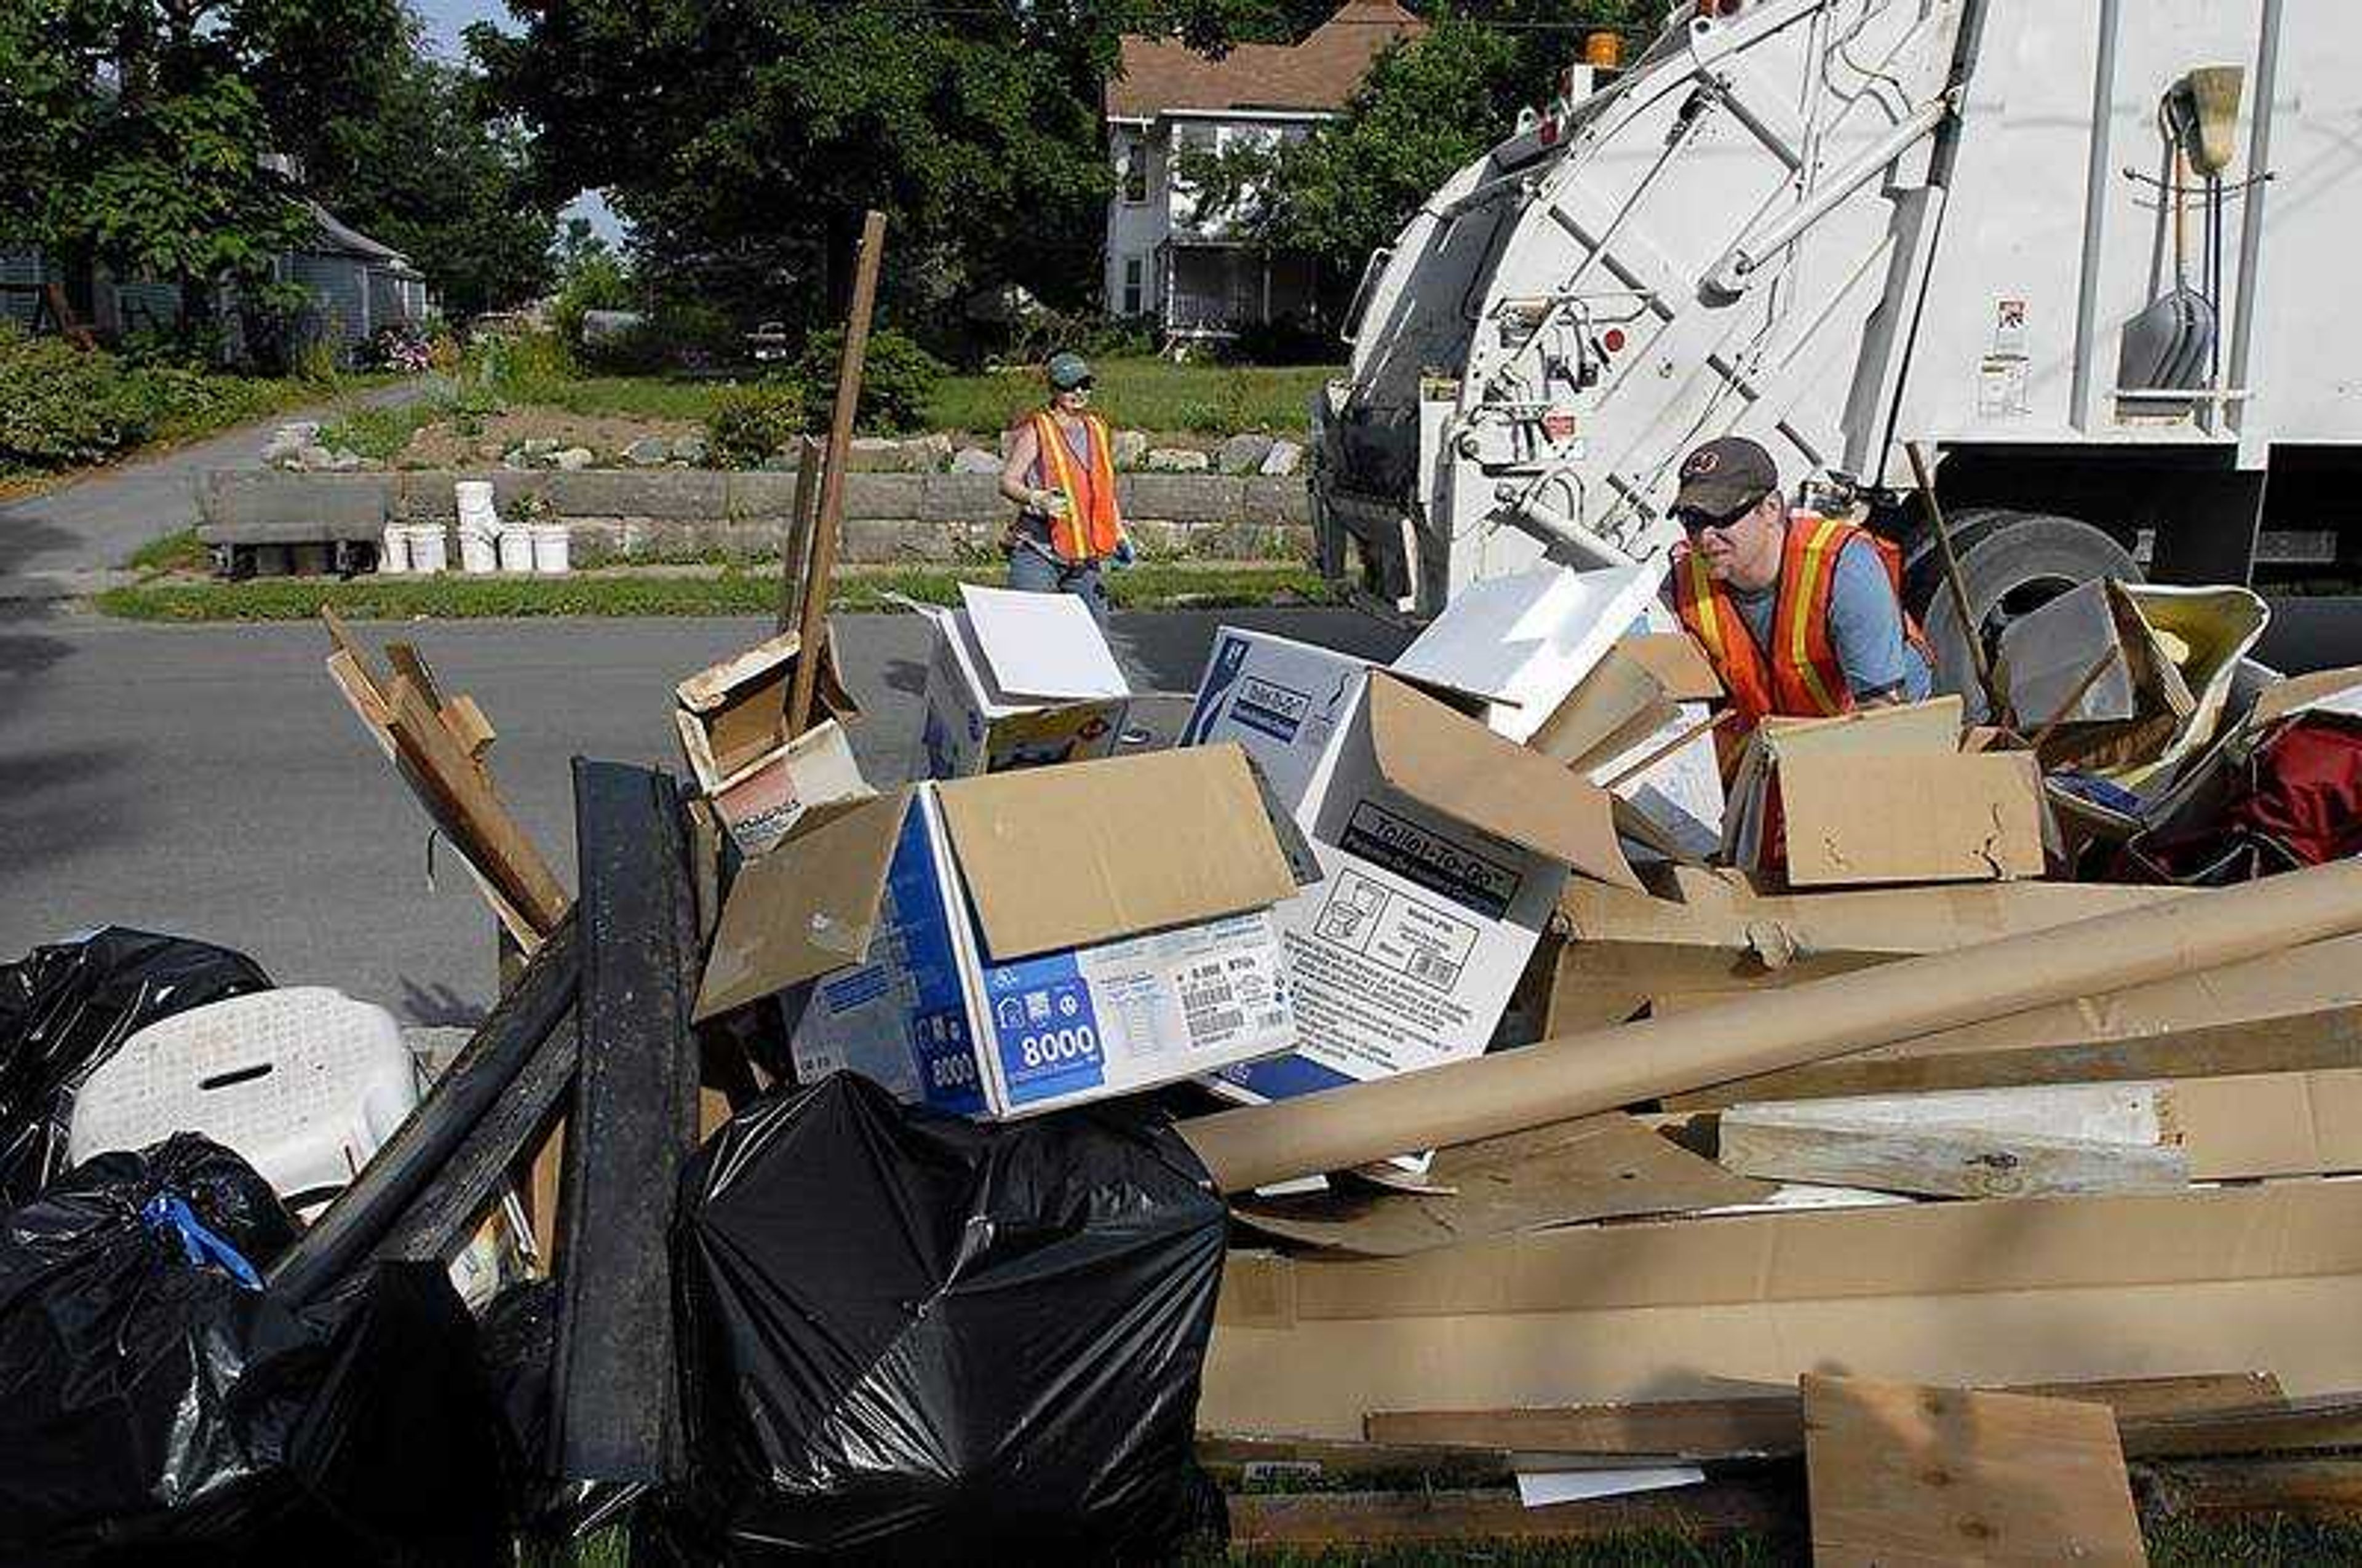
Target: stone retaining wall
(676, 514)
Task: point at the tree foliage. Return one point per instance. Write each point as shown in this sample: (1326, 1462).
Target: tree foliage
(425, 169)
(743, 142)
(1429, 106)
(134, 130)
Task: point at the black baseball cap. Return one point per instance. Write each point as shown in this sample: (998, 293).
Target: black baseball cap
(1724, 476)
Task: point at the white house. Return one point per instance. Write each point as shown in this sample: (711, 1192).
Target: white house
(1198, 279)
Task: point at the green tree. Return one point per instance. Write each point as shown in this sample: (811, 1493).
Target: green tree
(425, 169)
(743, 141)
(135, 130)
(1429, 106)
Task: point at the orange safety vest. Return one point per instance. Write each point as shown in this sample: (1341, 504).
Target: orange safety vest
(1800, 674)
(1090, 528)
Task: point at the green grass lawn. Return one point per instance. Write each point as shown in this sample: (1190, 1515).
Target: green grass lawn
(1150, 585)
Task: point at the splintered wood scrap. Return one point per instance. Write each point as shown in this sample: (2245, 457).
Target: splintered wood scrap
(2007, 1143)
(1903, 1474)
(491, 835)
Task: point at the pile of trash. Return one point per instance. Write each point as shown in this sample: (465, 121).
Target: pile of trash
(1476, 1065)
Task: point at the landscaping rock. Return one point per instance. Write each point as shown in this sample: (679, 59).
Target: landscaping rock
(538, 447)
(574, 459)
(689, 449)
(1128, 448)
(649, 452)
(344, 460)
(514, 460)
(878, 455)
(1243, 454)
(286, 447)
(928, 453)
(975, 460)
(1284, 459)
(316, 457)
(1178, 461)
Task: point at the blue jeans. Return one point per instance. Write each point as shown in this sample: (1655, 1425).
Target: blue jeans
(1035, 571)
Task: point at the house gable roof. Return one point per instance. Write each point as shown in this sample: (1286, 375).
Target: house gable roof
(1319, 72)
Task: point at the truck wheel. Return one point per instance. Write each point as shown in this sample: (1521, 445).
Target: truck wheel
(2012, 563)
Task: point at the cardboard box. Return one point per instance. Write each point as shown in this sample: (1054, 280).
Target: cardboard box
(1523, 643)
(2001, 1291)
(997, 947)
(732, 720)
(1017, 680)
(1280, 698)
(1444, 847)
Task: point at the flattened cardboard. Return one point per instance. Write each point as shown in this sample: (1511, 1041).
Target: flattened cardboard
(1679, 664)
(1590, 1169)
(1620, 695)
(1904, 1473)
(1525, 641)
(1464, 771)
(1060, 858)
(1888, 818)
(804, 909)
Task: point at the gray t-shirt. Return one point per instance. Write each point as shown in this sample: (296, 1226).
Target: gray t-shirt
(1865, 627)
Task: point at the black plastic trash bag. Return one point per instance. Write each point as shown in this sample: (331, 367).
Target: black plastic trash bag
(65, 1006)
(156, 1406)
(915, 1339)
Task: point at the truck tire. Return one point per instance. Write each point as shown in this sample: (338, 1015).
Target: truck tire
(2012, 563)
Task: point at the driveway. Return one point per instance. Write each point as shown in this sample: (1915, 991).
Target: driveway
(96, 523)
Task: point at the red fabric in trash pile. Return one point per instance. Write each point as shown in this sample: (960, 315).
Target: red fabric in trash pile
(2298, 803)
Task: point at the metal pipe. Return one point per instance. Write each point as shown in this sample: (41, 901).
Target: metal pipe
(2095, 211)
(2251, 222)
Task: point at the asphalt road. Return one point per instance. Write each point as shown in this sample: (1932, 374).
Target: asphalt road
(208, 780)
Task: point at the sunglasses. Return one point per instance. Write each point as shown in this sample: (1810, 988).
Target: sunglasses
(1082, 386)
(1694, 520)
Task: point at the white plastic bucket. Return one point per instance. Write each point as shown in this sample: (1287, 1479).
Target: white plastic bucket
(393, 550)
(475, 497)
(430, 550)
(516, 547)
(552, 550)
(477, 554)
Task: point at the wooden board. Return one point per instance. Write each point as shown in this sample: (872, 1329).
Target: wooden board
(1981, 1143)
(1771, 1425)
(487, 832)
(1901, 1474)
(1586, 1169)
(1457, 1519)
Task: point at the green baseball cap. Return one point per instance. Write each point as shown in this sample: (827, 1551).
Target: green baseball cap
(1067, 371)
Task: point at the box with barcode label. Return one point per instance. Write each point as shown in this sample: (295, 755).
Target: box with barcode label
(1029, 946)
(1443, 848)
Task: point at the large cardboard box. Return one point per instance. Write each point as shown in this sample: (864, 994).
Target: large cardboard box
(1280, 698)
(1444, 848)
(997, 947)
(1017, 680)
(1523, 642)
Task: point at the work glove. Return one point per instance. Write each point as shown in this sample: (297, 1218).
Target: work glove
(1124, 554)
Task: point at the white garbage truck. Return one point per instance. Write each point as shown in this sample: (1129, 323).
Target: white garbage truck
(2097, 255)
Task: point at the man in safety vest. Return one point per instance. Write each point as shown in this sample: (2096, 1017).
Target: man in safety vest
(1802, 614)
(1060, 474)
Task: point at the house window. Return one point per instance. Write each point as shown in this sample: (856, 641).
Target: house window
(1134, 272)
(1135, 170)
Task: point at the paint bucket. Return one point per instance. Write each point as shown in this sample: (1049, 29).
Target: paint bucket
(477, 554)
(430, 551)
(475, 498)
(516, 547)
(552, 549)
(393, 549)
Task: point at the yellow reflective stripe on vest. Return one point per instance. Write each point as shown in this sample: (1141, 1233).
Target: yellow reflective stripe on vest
(1702, 601)
(1802, 598)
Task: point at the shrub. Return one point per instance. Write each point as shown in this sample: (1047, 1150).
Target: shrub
(62, 406)
(751, 423)
(897, 377)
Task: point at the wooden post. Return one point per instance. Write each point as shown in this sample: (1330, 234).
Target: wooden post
(795, 551)
(832, 485)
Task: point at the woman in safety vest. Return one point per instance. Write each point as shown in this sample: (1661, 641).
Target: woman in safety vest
(1060, 474)
(1802, 614)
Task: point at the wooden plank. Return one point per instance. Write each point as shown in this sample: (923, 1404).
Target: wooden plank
(1587, 1169)
(2308, 1041)
(1828, 1142)
(1359, 1521)
(795, 553)
(2320, 1488)
(1771, 1426)
(487, 832)
(468, 726)
(1904, 1474)
(411, 665)
(613, 1412)
(813, 622)
(1245, 1458)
